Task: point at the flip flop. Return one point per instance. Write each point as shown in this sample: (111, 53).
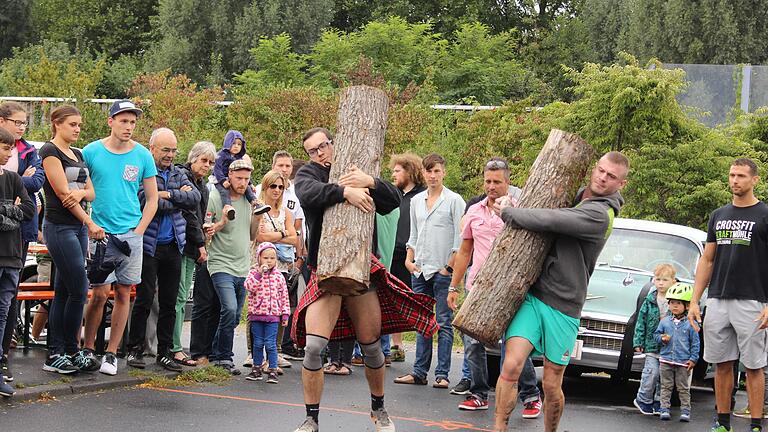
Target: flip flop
(441, 383)
(410, 379)
(330, 369)
(185, 361)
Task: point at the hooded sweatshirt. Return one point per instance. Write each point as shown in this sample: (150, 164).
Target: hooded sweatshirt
(267, 292)
(580, 232)
(224, 158)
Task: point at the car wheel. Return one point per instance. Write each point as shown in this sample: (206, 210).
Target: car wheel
(573, 371)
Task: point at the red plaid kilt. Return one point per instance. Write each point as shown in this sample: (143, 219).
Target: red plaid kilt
(402, 309)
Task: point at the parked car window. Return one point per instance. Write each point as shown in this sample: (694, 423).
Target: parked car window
(643, 250)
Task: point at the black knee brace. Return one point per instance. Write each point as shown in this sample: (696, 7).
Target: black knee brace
(313, 352)
(373, 356)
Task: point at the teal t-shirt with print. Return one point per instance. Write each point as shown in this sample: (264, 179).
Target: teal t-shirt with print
(116, 180)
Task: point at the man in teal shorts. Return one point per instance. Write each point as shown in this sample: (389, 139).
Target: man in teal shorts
(548, 320)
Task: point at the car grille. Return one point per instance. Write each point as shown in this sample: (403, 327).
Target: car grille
(605, 326)
(601, 343)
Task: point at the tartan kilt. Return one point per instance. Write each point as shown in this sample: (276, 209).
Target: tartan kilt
(402, 309)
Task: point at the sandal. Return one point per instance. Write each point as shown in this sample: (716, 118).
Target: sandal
(441, 383)
(330, 368)
(410, 379)
(342, 369)
(185, 360)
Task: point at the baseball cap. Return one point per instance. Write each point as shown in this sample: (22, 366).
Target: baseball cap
(124, 105)
(240, 164)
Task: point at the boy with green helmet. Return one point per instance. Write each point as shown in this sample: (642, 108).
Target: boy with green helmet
(679, 351)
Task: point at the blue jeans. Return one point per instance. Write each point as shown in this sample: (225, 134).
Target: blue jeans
(68, 246)
(474, 358)
(436, 287)
(650, 382)
(231, 293)
(527, 383)
(9, 279)
(466, 370)
(264, 335)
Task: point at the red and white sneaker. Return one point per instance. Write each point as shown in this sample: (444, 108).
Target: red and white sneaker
(532, 410)
(473, 403)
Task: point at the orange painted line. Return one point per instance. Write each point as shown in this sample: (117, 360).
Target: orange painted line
(444, 425)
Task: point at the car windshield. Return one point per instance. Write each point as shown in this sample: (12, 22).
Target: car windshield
(644, 250)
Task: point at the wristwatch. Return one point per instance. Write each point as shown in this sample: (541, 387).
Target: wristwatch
(452, 289)
(448, 268)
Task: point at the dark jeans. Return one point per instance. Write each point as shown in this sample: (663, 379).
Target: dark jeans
(159, 274)
(13, 311)
(474, 353)
(436, 287)
(341, 351)
(9, 282)
(68, 246)
(205, 314)
(398, 267)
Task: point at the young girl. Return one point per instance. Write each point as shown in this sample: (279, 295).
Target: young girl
(679, 351)
(268, 306)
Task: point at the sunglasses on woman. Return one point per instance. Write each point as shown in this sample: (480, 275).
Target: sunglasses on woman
(276, 186)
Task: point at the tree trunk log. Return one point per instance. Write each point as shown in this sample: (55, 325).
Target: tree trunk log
(517, 255)
(344, 264)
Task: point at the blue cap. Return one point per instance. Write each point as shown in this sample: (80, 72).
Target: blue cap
(124, 105)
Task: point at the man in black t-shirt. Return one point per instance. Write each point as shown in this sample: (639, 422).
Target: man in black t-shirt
(733, 265)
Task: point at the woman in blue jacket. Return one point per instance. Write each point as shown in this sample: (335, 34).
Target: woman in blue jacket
(26, 162)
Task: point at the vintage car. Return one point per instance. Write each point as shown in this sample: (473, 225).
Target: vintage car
(621, 281)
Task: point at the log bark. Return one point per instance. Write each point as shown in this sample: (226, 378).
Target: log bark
(344, 265)
(517, 255)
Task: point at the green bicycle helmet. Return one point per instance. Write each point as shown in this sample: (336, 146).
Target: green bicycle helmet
(680, 291)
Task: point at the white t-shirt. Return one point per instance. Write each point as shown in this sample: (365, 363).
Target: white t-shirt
(290, 202)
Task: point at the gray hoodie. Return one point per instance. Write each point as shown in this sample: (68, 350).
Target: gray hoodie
(580, 234)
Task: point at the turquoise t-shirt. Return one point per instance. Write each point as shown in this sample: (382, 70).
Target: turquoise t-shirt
(116, 180)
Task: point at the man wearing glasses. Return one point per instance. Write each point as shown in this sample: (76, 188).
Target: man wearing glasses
(387, 307)
(119, 166)
(164, 241)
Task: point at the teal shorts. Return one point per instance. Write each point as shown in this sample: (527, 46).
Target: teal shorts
(551, 332)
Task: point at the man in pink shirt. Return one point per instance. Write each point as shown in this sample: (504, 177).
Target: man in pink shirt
(480, 226)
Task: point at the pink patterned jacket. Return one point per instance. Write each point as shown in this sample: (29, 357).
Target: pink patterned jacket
(267, 295)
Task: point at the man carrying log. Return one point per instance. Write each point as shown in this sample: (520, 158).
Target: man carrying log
(547, 323)
(388, 306)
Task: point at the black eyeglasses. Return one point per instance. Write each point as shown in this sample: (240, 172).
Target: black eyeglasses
(18, 123)
(276, 186)
(496, 165)
(323, 146)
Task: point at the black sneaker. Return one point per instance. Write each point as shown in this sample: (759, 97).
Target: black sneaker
(230, 368)
(293, 354)
(167, 362)
(90, 362)
(255, 375)
(272, 377)
(59, 364)
(7, 375)
(6, 390)
(136, 360)
(261, 209)
(462, 388)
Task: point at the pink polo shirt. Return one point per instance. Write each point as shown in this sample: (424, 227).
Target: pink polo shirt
(481, 225)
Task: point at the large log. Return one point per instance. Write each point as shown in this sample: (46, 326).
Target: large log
(344, 263)
(517, 255)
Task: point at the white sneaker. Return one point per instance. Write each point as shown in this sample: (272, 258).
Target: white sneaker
(109, 364)
(282, 362)
(382, 421)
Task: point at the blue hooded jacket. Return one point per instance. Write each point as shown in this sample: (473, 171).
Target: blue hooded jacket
(224, 158)
(28, 157)
(684, 342)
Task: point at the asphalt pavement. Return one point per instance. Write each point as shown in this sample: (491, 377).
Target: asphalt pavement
(592, 404)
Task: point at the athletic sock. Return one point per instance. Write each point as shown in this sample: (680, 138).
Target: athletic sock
(313, 410)
(724, 420)
(377, 402)
(757, 423)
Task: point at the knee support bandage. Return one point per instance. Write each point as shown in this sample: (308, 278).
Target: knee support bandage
(373, 356)
(313, 352)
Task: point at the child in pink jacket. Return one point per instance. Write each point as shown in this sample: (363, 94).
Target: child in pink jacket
(268, 307)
